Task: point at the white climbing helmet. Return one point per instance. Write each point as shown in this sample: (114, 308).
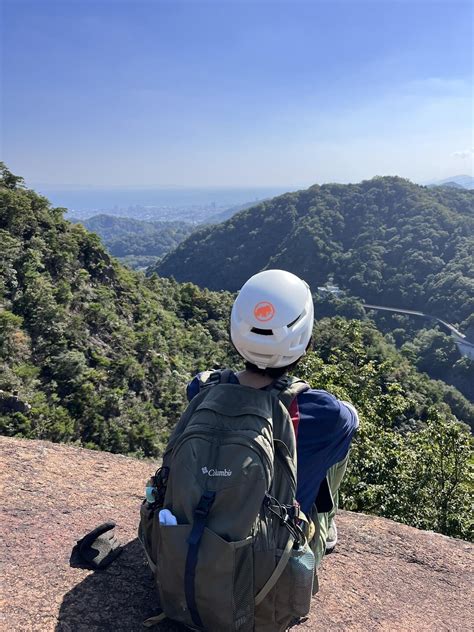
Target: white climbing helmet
(272, 319)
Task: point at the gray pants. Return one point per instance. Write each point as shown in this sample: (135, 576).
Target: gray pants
(323, 520)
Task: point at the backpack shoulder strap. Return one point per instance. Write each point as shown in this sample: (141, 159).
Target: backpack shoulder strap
(207, 379)
(275, 576)
(212, 378)
(286, 388)
(225, 376)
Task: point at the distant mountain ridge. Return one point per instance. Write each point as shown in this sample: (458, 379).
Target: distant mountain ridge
(140, 243)
(124, 236)
(463, 181)
(228, 213)
(450, 183)
(385, 240)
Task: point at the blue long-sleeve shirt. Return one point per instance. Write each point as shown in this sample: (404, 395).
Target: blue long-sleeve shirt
(324, 428)
(324, 432)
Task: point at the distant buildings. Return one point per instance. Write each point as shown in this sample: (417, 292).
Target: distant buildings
(330, 288)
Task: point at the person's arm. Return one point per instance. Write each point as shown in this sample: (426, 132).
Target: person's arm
(325, 430)
(353, 411)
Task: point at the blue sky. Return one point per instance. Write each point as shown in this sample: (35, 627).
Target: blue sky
(149, 93)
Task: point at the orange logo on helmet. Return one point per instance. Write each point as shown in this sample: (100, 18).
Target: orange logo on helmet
(264, 311)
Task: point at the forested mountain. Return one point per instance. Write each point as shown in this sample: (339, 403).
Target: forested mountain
(139, 241)
(96, 354)
(386, 240)
(426, 346)
(450, 184)
(101, 354)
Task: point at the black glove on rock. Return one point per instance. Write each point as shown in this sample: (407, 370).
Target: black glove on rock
(97, 549)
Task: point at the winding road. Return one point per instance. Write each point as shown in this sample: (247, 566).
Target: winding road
(466, 347)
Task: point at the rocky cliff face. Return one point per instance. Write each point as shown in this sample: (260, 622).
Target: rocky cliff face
(382, 576)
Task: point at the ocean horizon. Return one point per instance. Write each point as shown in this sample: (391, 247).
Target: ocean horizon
(97, 199)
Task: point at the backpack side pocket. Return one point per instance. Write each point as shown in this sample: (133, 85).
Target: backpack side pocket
(295, 586)
(147, 532)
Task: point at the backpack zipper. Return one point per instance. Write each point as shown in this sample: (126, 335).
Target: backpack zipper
(246, 443)
(254, 446)
(286, 469)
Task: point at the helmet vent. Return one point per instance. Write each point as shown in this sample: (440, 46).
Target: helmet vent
(261, 356)
(262, 332)
(295, 321)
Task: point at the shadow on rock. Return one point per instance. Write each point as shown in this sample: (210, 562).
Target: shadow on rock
(119, 598)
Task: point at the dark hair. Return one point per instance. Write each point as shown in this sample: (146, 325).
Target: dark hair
(273, 372)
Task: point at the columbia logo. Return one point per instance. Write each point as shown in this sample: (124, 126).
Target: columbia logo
(214, 472)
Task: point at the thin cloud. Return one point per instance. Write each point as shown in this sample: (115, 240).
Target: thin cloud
(466, 153)
(440, 85)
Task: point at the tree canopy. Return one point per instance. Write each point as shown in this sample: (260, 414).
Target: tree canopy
(386, 240)
(126, 237)
(99, 355)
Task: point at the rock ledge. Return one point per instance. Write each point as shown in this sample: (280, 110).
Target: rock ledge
(382, 576)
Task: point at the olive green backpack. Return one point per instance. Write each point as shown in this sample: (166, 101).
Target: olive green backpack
(237, 559)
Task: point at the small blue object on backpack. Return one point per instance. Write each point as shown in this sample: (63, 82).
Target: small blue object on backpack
(167, 519)
(150, 494)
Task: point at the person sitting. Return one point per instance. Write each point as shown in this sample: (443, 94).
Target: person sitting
(271, 328)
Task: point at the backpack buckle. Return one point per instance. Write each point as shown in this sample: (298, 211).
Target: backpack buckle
(294, 510)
